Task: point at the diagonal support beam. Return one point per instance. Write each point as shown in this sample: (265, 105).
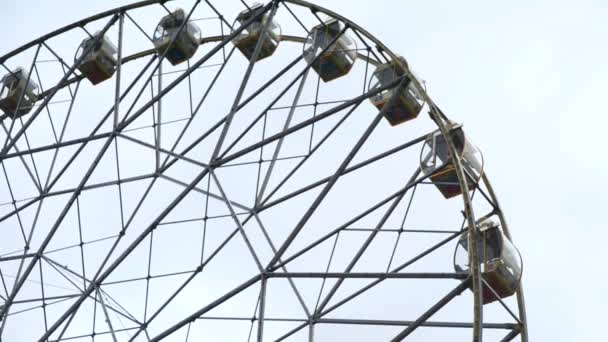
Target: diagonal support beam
(237, 221)
(332, 181)
(277, 149)
(432, 310)
(368, 241)
(352, 102)
(207, 308)
(510, 336)
(241, 91)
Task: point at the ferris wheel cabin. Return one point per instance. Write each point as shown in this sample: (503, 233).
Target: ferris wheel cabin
(436, 162)
(338, 57)
(180, 45)
(17, 93)
(250, 36)
(501, 265)
(408, 103)
(99, 63)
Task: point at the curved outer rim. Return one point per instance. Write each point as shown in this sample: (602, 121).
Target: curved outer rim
(79, 23)
(437, 116)
(434, 112)
(505, 227)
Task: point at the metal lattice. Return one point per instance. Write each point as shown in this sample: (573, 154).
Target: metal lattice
(230, 199)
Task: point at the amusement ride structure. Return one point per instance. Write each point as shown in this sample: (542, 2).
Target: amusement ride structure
(216, 170)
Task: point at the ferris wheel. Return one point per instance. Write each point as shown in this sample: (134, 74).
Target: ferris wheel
(224, 171)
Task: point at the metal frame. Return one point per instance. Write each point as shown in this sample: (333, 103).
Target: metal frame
(265, 199)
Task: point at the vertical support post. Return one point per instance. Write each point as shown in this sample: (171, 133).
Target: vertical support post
(105, 312)
(121, 21)
(159, 117)
(262, 309)
(311, 331)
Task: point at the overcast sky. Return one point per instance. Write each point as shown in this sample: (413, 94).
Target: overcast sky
(528, 80)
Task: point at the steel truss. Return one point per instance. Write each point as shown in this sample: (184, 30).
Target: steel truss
(142, 103)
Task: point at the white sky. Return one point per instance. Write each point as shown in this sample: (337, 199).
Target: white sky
(527, 78)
